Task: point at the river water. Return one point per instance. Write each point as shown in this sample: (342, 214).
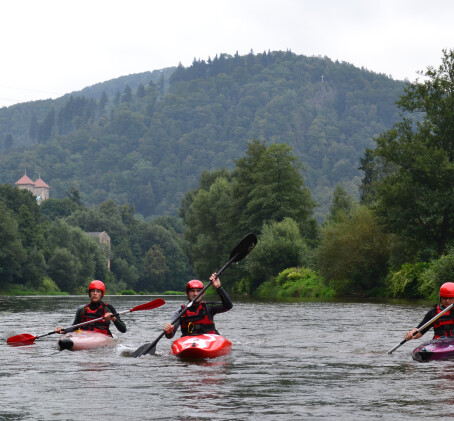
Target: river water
(290, 361)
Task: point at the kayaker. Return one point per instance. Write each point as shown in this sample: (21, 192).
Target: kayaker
(94, 310)
(198, 319)
(444, 326)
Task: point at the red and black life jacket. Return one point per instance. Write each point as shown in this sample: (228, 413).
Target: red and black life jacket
(197, 322)
(89, 314)
(444, 326)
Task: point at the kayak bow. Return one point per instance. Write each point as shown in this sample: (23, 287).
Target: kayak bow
(201, 346)
(82, 340)
(436, 349)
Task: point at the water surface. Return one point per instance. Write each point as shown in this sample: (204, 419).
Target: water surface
(290, 361)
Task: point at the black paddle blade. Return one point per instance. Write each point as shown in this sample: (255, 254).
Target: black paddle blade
(243, 248)
(144, 349)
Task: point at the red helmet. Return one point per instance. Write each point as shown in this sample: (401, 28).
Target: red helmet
(447, 290)
(97, 285)
(195, 283)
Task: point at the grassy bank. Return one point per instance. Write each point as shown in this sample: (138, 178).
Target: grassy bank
(295, 282)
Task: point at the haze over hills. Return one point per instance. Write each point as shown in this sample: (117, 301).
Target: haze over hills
(144, 139)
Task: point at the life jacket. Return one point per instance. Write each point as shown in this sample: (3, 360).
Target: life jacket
(197, 322)
(444, 326)
(89, 314)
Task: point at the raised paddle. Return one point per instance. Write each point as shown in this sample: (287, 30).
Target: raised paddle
(240, 251)
(423, 327)
(27, 339)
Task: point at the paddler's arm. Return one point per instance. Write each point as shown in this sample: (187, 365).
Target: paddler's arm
(172, 329)
(409, 335)
(225, 299)
(119, 324)
(429, 315)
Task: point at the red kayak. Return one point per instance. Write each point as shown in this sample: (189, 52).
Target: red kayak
(201, 346)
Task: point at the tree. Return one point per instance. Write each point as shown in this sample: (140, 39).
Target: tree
(124, 272)
(45, 128)
(208, 227)
(58, 208)
(280, 247)
(64, 268)
(342, 204)
(417, 200)
(268, 186)
(12, 254)
(9, 141)
(25, 211)
(34, 269)
(103, 100)
(74, 196)
(33, 130)
(73, 252)
(127, 95)
(140, 91)
(353, 252)
(155, 268)
(371, 175)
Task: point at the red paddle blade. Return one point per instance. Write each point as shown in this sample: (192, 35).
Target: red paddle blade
(148, 306)
(22, 339)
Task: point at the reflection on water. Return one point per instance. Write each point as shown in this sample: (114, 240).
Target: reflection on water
(289, 361)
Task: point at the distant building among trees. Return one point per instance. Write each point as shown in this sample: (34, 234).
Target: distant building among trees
(104, 241)
(38, 188)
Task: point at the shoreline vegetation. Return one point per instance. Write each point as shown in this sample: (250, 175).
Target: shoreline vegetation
(393, 242)
(291, 285)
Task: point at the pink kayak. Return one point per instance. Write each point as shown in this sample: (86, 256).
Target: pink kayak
(83, 339)
(436, 349)
(201, 346)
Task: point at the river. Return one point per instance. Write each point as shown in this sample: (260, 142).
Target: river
(290, 361)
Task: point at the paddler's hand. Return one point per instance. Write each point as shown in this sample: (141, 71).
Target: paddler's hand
(409, 335)
(108, 317)
(168, 328)
(59, 329)
(216, 282)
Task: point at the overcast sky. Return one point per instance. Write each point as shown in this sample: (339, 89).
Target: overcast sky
(53, 47)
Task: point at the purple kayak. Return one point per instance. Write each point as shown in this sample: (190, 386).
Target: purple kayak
(436, 349)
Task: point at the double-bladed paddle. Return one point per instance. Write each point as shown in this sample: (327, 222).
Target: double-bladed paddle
(423, 327)
(240, 251)
(27, 339)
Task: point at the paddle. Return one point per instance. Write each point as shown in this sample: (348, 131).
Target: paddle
(423, 327)
(27, 339)
(240, 251)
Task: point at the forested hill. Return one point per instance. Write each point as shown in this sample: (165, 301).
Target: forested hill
(147, 144)
(18, 120)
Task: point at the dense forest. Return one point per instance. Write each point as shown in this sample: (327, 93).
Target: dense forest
(148, 143)
(393, 239)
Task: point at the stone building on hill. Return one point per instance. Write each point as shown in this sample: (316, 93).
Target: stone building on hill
(104, 241)
(38, 188)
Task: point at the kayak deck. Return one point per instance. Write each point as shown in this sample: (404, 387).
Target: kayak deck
(201, 346)
(436, 349)
(82, 340)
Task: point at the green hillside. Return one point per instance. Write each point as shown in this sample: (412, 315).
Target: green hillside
(146, 141)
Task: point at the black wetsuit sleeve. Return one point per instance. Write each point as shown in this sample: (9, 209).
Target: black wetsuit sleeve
(429, 315)
(176, 324)
(226, 304)
(119, 324)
